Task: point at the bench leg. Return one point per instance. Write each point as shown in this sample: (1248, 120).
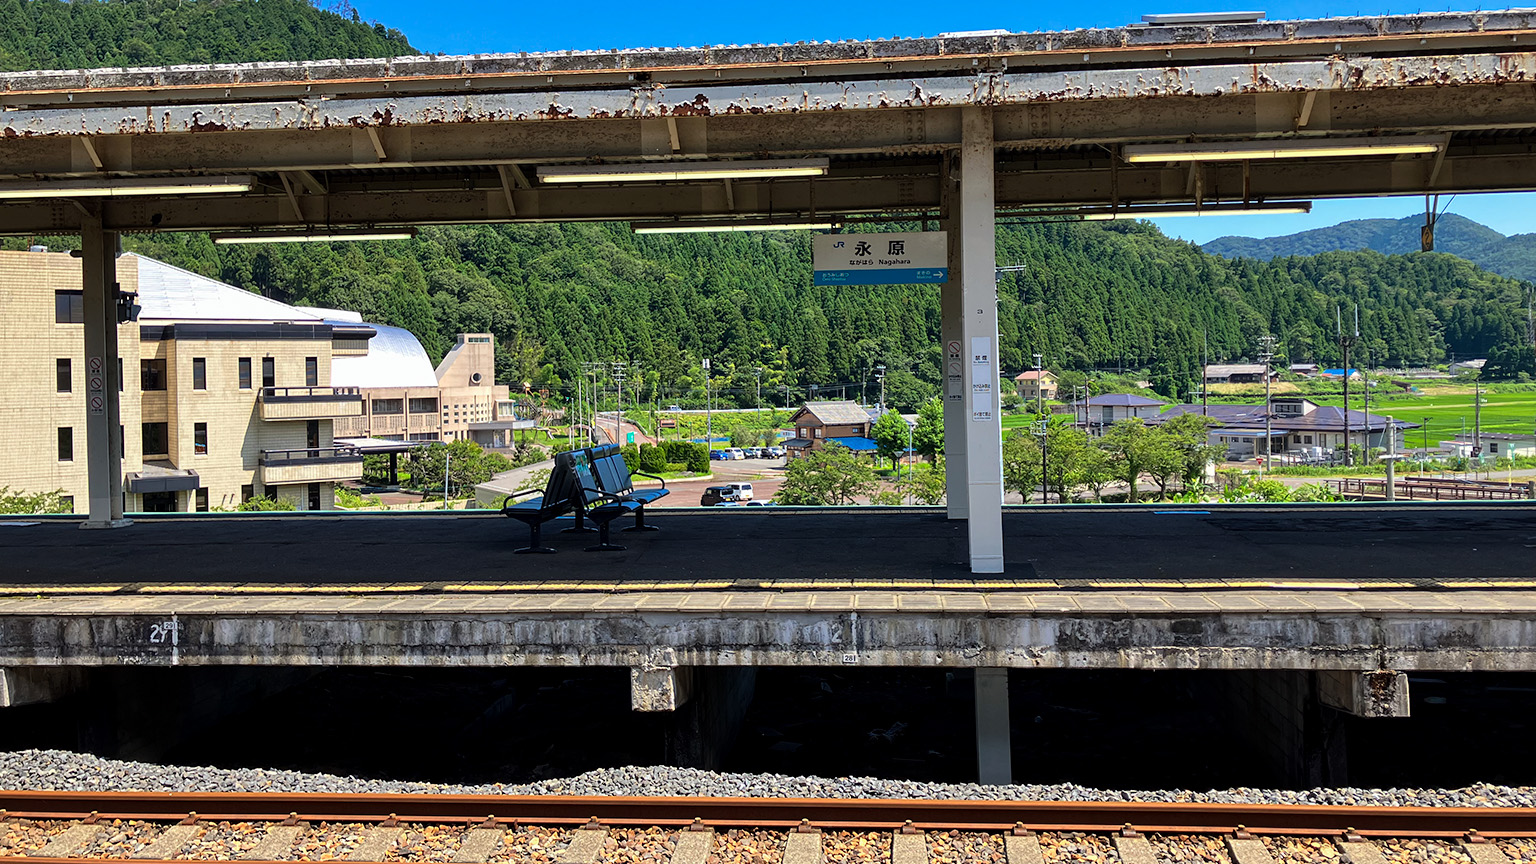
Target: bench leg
(580, 527)
(602, 542)
(535, 541)
(640, 522)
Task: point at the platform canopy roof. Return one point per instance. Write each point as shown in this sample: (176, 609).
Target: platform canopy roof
(1203, 116)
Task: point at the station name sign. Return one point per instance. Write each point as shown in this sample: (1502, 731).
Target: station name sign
(881, 259)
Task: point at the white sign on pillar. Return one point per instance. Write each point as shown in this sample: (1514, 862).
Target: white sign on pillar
(981, 379)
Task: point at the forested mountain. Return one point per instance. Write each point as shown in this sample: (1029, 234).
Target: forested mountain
(556, 297)
(1514, 256)
(1094, 295)
(85, 34)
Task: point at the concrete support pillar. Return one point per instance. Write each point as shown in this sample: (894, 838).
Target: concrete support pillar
(994, 744)
(1383, 693)
(103, 423)
(659, 688)
(977, 264)
(34, 685)
(952, 333)
(704, 729)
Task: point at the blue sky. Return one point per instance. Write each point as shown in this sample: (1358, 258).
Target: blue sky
(476, 26)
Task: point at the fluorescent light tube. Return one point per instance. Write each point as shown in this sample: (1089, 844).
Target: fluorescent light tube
(650, 172)
(1277, 208)
(1291, 149)
(702, 227)
(339, 235)
(126, 186)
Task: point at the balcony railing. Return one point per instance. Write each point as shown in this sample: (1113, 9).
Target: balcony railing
(310, 465)
(310, 403)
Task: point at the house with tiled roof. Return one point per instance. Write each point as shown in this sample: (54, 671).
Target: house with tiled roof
(1035, 384)
(817, 424)
(1097, 412)
(1296, 425)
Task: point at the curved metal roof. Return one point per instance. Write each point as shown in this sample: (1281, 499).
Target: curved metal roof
(170, 293)
(394, 359)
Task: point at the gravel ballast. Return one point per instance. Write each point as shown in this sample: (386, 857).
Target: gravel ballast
(64, 771)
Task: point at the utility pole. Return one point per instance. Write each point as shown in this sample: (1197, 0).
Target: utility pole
(1266, 354)
(880, 376)
(1039, 386)
(1477, 417)
(447, 460)
(1345, 343)
(618, 413)
(709, 417)
(757, 401)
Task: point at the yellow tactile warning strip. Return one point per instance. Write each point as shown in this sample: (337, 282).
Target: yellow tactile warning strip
(776, 585)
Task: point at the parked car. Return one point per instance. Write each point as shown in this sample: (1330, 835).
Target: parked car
(736, 453)
(719, 496)
(743, 490)
(778, 452)
(760, 504)
(673, 408)
(719, 455)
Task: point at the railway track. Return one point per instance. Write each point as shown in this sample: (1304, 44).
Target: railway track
(486, 829)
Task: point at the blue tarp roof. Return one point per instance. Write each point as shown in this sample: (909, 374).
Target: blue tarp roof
(856, 444)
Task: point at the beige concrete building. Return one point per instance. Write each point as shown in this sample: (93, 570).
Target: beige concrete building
(226, 394)
(406, 399)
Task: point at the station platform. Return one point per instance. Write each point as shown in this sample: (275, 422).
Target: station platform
(1342, 587)
(1078, 547)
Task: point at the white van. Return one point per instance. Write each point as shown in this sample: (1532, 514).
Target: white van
(743, 491)
(736, 453)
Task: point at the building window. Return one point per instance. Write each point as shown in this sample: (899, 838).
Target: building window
(200, 439)
(247, 492)
(69, 307)
(424, 406)
(151, 375)
(199, 373)
(64, 381)
(314, 496)
(389, 406)
(66, 444)
(69, 503)
(268, 372)
(311, 372)
(156, 439)
(1295, 439)
(818, 432)
(245, 373)
(1493, 446)
(423, 436)
(202, 499)
(1306, 439)
(120, 375)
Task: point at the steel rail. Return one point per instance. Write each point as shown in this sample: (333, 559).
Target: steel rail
(866, 814)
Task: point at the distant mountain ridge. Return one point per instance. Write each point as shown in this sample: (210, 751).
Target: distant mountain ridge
(1513, 256)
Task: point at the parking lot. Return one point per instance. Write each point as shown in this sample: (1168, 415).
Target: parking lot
(765, 475)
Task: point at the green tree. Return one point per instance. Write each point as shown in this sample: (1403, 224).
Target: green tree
(928, 435)
(40, 502)
(1021, 463)
(466, 462)
(925, 483)
(891, 433)
(1066, 449)
(262, 503)
(832, 475)
(1131, 450)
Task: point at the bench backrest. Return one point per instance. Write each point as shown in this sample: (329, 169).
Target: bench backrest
(560, 489)
(612, 472)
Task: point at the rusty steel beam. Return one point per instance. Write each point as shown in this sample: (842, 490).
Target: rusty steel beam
(1037, 126)
(480, 196)
(1152, 47)
(982, 87)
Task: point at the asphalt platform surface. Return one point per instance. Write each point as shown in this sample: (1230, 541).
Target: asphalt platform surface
(1409, 545)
